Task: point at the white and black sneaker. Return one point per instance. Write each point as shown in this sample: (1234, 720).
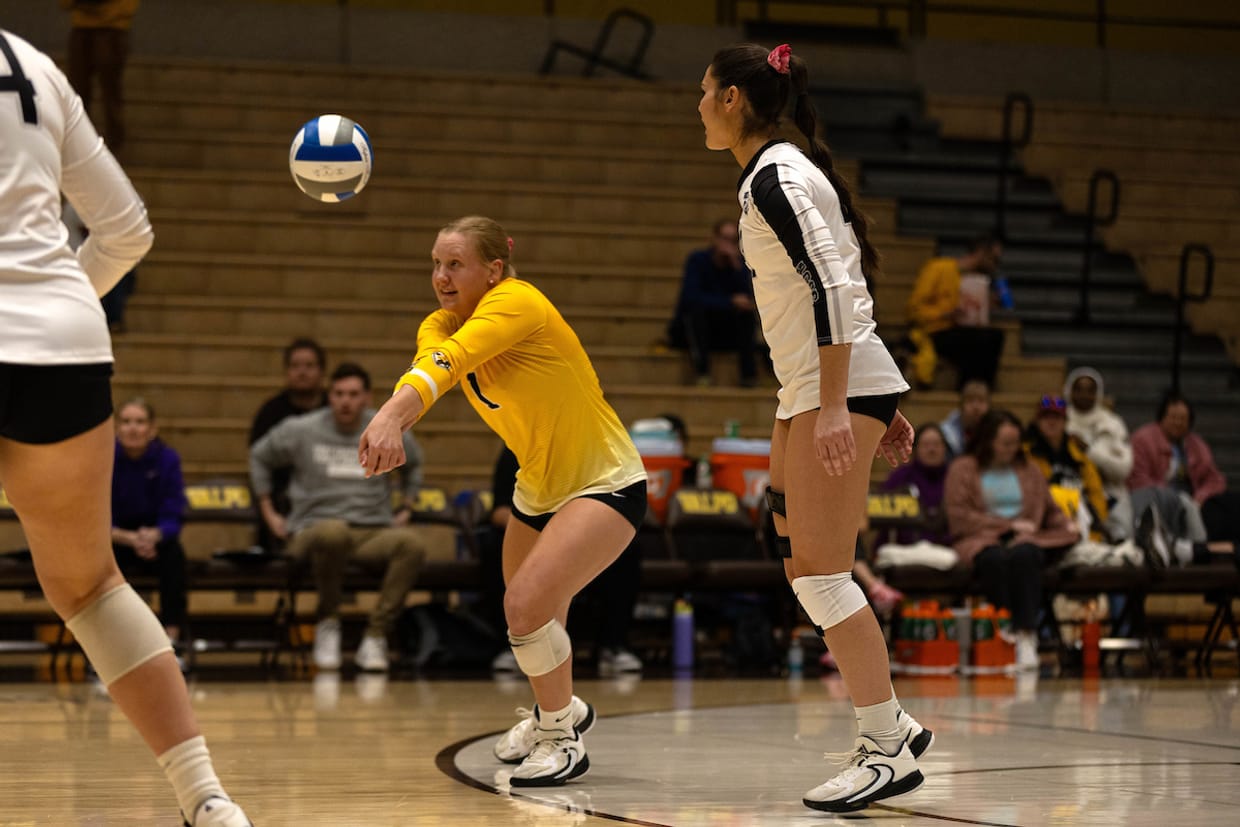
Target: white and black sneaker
(557, 757)
(918, 738)
(515, 744)
(869, 775)
(218, 811)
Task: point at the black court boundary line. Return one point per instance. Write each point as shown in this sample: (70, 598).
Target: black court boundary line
(446, 763)
(445, 760)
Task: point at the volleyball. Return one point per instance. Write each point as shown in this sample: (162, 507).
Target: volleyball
(330, 158)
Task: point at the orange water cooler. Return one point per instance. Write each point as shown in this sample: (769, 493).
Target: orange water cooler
(742, 466)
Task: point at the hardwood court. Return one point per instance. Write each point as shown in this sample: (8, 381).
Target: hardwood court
(720, 752)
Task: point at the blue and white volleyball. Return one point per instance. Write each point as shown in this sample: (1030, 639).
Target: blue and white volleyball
(331, 158)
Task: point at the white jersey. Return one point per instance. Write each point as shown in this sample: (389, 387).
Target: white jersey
(49, 295)
(807, 279)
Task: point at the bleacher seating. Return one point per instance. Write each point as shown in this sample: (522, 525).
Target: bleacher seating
(604, 186)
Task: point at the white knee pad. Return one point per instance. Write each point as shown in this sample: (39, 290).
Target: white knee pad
(542, 650)
(829, 599)
(119, 633)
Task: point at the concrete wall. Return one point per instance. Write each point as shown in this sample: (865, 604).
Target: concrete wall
(253, 29)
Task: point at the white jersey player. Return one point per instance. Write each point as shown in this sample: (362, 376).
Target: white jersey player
(56, 432)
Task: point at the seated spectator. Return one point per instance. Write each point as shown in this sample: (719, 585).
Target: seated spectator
(960, 423)
(1104, 437)
(946, 320)
(148, 505)
(1004, 521)
(304, 364)
(923, 477)
(1075, 482)
(1173, 469)
(611, 596)
(340, 515)
(716, 309)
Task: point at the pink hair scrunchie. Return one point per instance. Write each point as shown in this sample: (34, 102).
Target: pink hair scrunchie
(510, 245)
(779, 58)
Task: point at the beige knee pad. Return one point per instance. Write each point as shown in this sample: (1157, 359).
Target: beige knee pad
(542, 650)
(829, 599)
(119, 633)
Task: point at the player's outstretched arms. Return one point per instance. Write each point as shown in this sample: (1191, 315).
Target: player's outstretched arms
(381, 448)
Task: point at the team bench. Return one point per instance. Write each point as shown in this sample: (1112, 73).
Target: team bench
(711, 541)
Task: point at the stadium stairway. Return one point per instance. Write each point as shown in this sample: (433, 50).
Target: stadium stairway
(604, 185)
(946, 189)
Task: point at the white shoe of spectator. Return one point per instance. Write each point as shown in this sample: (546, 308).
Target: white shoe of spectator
(327, 643)
(505, 661)
(1027, 652)
(372, 655)
(617, 662)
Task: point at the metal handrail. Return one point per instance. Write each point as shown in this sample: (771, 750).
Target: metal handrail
(1183, 297)
(1092, 221)
(1006, 145)
(595, 57)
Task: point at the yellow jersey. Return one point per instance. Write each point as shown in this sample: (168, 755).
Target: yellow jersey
(528, 377)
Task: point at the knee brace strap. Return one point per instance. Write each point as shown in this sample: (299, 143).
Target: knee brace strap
(829, 599)
(119, 633)
(784, 545)
(775, 501)
(542, 650)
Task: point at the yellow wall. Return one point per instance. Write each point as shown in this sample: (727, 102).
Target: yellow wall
(699, 12)
(939, 24)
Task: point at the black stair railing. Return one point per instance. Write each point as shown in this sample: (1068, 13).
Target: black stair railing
(596, 57)
(1094, 220)
(1183, 297)
(1010, 141)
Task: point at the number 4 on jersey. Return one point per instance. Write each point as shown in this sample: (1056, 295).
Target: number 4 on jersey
(19, 83)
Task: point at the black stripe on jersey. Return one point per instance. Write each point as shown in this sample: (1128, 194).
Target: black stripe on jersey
(19, 83)
(771, 200)
(473, 384)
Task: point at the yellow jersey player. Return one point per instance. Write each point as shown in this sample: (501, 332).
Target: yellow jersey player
(581, 491)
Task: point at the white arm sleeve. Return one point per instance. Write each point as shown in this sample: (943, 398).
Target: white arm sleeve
(105, 200)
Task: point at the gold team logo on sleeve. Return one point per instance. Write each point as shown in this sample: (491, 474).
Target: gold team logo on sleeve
(441, 360)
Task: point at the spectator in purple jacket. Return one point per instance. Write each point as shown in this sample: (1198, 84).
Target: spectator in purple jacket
(923, 478)
(148, 504)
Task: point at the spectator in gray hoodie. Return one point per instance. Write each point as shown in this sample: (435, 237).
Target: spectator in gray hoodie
(338, 514)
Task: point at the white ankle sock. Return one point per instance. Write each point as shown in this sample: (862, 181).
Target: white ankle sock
(1182, 551)
(188, 767)
(556, 719)
(878, 722)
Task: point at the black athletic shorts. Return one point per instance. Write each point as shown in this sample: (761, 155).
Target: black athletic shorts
(630, 502)
(882, 408)
(42, 404)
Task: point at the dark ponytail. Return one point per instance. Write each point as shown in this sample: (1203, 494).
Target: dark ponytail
(806, 119)
(745, 66)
